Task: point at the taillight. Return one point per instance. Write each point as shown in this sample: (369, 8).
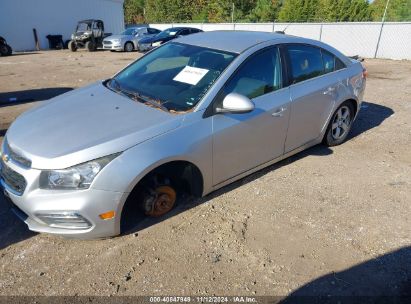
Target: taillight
(364, 73)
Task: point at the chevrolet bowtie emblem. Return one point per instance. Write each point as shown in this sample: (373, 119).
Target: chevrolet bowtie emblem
(5, 158)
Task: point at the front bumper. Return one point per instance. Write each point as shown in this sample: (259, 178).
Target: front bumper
(144, 47)
(114, 47)
(89, 204)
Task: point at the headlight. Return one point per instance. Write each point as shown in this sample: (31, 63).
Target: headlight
(77, 177)
(116, 40)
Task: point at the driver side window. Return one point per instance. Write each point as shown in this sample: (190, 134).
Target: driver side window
(259, 75)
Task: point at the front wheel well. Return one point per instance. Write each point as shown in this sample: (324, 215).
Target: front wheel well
(183, 176)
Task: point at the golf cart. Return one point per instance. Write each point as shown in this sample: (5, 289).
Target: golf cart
(5, 49)
(89, 34)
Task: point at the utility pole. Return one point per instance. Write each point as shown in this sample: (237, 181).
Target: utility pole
(385, 11)
(382, 25)
(232, 13)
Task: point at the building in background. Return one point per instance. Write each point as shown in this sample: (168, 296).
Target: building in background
(18, 18)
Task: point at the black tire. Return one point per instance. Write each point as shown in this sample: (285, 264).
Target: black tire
(90, 46)
(128, 47)
(9, 50)
(3, 50)
(59, 46)
(340, 125)
(72, 46)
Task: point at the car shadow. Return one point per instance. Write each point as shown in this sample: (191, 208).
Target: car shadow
(371, 115)
(12, 229)
(20, 97)
(24, 53)
(385, 279)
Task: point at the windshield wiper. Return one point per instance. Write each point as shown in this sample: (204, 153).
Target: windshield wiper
(135, 95)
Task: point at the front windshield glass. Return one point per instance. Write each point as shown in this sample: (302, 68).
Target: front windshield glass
(82, 27)
(175, 75)
(128, 32)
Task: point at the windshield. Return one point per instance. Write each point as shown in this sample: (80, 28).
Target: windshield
(129, 32)
(82, 27)
(166, 33)
(175, 75)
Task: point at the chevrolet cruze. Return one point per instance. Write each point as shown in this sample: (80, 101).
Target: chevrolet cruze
(189, 117)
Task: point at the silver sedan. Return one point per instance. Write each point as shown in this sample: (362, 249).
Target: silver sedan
(128, 40)
(191, 116)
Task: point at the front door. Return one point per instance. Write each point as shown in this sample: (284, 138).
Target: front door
(244, 141)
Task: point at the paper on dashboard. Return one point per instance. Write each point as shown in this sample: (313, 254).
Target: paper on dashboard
(190, 75)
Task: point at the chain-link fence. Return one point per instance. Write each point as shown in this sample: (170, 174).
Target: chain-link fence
(390, 40)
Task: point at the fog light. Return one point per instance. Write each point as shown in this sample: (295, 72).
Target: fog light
(108, 215)
(64, 220)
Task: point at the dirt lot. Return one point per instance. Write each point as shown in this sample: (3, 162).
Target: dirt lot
(326, 221)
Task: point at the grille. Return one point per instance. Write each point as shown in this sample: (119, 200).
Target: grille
(12, 179)
(107, 42)
(18, 158)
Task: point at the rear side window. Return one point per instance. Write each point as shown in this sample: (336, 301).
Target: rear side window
(184, 32)
(329, 62)
(339, 64)
(306, 62)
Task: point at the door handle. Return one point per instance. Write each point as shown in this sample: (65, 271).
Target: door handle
(279, 112)
(329, 91)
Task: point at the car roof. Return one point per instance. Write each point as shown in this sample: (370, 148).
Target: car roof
(231, 41)
(178, 28)
(89, 20)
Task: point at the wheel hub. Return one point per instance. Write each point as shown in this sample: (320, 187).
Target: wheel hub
(163, 201)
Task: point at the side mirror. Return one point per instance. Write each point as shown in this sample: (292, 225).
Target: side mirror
(237, 104)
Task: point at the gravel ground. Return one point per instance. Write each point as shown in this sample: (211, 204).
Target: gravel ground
(326, 221)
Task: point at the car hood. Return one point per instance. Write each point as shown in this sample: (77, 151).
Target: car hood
(155, 39)
(85, 124)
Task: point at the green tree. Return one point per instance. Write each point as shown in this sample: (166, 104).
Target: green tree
(398, 10)
(265, 10)
(134, 11)
(299, 10)
(219, 10)
(344, 10)
(169, 10)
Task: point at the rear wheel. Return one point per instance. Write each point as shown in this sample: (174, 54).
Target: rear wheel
(72, 46)
(90, 46)
(340, 125)
(128, 47)
(3, 50)
(9, 50)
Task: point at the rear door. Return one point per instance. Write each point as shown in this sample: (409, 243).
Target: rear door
(312, 93)
(244, 141)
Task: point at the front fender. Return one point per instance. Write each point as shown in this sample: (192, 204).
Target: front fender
(192, 142)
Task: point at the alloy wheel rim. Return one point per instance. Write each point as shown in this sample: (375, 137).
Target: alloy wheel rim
(341, 123)
(129, 47)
